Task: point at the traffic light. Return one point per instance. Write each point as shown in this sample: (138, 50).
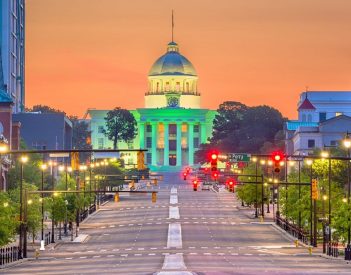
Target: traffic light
(184, 175)
(195, 182)
(213, 160)
(277, 158)
(231, 184)
(314, 189)
(141, 160)
(215, 175)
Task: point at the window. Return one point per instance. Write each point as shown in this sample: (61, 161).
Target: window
(172, 145)
(148, 128)
(157, 87)
(100, 129)
(303, 118)
(309, 118)
(148, 142)
(322, 117)
(338, 113)
(167, 86)
(187, 87)
(311, 143)
(196, 128)
(196, 142)
(172, 129)
(148, 158)
(100, 143)
(184, 128)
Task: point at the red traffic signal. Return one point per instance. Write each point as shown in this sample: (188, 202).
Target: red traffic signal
(195, 185)
(231, 184)
(215, 175)
(213, 160)
(277, 158)
(184, 175)
(214, 156)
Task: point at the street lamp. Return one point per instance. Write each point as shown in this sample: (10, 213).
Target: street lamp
(52, 164)
(347, 145)
(23, 235)
(43, 167)
(309, 162)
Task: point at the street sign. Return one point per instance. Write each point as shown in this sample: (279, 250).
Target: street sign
(239, 157)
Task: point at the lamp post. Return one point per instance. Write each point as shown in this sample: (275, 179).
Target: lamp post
(309, 162)
(52, 164)
(256, 210)
(3, 149)
(22, 240)
(347, 144)
(42, 242)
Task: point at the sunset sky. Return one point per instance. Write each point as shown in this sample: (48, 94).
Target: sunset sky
(84, 54)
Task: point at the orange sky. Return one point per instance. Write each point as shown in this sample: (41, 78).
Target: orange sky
(96, 53)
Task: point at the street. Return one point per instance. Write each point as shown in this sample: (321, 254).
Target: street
(184, 232)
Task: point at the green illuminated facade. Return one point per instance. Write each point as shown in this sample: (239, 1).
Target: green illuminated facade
(172, 125)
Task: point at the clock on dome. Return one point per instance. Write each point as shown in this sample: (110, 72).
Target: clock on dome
(173, 101)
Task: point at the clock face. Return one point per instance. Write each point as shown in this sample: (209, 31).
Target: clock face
(173, 102)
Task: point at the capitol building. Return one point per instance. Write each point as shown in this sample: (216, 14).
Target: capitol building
(172, 124)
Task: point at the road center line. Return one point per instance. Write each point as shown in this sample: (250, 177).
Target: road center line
(174, 212)
(174, 235)
(173, 199)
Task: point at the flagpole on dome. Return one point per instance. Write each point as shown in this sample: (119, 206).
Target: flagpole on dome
(172, 26)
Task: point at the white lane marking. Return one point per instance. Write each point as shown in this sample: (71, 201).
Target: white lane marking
(137, 254)
(68, 258)
(173, 262)
(173, 199)
(193, 253)
(89, 251)
(112, 225)
(141, 248)
(109, 256)
(174, 190)
(153, 248)
(96, 256)
(83, 257)
(151, 254)
(124, 255)
(174, 235)
(174, 212)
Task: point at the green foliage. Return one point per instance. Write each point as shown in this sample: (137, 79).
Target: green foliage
(33, 207)
(44, 109)
(120, 125)
(8, 223)
(239, 128)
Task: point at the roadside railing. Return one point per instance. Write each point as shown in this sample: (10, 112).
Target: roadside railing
(8, 255)
(292, 229)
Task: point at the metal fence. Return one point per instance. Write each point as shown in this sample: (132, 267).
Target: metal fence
(8, 255)
(292, 229)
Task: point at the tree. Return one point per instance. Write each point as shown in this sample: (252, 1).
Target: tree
(120, 125)
(80, 136)
(7, 222)
(239, 128)
(44, 109)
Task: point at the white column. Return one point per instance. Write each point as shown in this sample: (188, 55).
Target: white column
(166, 144)
(142, 135)
(191, 143)
(179, 144)
(153, 143)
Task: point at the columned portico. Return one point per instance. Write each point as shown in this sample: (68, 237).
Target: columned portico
(166, 144)
(153, 143)
(179, 144)
(191, 143)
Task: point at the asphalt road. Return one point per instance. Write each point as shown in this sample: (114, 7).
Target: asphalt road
(184, 232)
